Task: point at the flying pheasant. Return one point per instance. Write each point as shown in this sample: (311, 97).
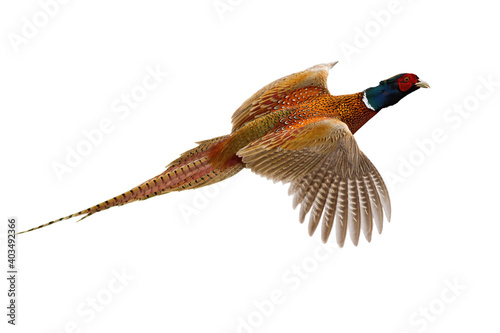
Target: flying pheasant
(293, 130)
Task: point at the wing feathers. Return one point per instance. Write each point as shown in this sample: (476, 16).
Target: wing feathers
(284, 92)
(382, 192)
(329, 177)
(300, 189)
(312, 192)
(353, 219)
(341, 215)
(319, 204)
(376, 206)
(365, 210)
(329, 215)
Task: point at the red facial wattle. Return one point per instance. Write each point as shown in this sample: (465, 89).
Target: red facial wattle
(406, 81)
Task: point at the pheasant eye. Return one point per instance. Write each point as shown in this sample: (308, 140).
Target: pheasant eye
(405, 83)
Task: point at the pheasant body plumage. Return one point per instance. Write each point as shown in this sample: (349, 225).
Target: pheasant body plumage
(293, 130)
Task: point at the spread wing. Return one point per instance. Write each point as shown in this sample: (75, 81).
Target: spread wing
(329, 175)
(285, 92)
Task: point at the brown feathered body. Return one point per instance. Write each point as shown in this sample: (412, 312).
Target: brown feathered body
(292, 130)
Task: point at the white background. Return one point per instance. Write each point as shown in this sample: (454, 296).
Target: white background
(198, 261)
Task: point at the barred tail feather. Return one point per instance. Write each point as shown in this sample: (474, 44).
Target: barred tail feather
(193, 169)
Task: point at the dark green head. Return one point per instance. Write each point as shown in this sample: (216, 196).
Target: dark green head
(392, 90)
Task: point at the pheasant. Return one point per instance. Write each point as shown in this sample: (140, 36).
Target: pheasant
(294, 131)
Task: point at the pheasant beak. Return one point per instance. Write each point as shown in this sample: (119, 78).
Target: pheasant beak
(422, 84)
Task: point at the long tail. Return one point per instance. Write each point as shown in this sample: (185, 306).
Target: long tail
(193, 169)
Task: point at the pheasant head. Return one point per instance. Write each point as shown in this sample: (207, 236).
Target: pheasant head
(392, 90)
